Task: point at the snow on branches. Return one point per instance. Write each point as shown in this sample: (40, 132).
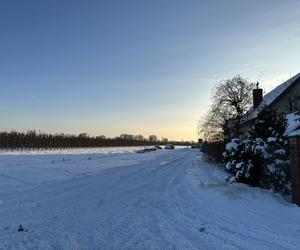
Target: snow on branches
(261, 157)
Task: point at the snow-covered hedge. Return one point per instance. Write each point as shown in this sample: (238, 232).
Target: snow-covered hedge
(214, 150)
(261, 158)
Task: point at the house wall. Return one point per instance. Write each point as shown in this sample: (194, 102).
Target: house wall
(244, 128)
(283, 105)
(294, 144)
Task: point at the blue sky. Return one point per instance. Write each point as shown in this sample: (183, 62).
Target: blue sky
(140, 67)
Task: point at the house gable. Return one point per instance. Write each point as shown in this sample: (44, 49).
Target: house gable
(289, 100)
(285, 99)
(277, 97)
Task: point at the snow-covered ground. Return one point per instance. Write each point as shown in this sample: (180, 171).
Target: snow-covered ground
(157, 200)
(100, 150)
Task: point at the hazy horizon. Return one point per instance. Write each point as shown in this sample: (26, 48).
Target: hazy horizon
(136, 67)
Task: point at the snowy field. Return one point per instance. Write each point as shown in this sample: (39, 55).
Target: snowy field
(124, 200)
(102, 150)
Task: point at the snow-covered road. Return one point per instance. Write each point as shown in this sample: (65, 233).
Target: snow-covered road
(158, 200)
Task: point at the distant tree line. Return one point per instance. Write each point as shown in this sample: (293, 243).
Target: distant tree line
(37, 140)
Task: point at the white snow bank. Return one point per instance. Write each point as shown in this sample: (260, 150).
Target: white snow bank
(237, 216)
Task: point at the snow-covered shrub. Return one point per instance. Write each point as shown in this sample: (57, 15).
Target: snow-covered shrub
(276, 166)
(271, 127)
(261, 158)
(240, 158)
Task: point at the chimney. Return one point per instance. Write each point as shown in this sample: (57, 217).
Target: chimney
(257, 96)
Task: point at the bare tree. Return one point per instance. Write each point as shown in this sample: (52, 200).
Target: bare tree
(139, 138)
(152, 138)
(101, 137)
(231, 99)
(212, 125)
(164, 140)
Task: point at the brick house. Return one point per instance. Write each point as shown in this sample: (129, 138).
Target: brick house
(285, 99)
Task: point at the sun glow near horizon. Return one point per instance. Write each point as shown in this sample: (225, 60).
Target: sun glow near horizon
(132, 67)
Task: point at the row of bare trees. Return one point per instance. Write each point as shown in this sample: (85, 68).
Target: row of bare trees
(37, 140)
